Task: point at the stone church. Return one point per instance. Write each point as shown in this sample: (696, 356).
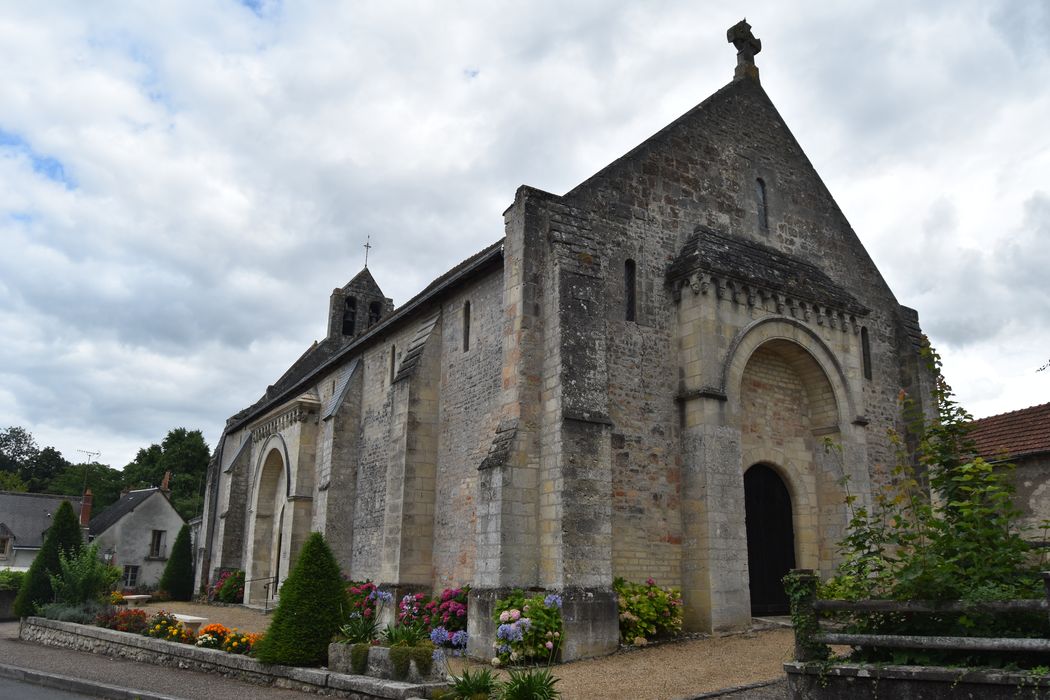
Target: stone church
(638, 379)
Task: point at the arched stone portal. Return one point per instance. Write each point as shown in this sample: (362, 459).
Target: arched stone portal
(267, 540)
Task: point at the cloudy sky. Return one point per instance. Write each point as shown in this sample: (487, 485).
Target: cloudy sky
(182, 184)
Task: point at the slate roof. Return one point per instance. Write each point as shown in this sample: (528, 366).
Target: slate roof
(28, 515)
(1015, 434)
(760, 265)
(327, 352)
(127, 503)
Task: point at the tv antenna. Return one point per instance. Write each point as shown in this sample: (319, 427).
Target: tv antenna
(91, 457)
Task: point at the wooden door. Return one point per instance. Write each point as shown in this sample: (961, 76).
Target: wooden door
(770, 539)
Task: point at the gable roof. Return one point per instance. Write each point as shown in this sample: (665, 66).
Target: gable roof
(28, 515)
(127, 503)
(1016, 434)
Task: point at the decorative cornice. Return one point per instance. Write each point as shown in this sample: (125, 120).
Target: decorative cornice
(297, 412)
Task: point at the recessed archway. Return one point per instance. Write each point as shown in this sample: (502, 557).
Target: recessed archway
(267, 541)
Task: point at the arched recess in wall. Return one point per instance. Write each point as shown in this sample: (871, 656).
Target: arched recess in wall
(271, 493)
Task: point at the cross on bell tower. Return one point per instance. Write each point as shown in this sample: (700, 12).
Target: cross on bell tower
(368, 247)
(740, 36)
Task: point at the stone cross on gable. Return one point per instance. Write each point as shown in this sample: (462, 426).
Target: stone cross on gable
(740, 36)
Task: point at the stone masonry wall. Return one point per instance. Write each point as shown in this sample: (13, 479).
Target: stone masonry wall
(469, 395)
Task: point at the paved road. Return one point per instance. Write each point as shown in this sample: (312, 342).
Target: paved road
(26, 691)
(149, 679)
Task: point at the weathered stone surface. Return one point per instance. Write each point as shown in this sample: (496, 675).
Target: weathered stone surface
(817, 682)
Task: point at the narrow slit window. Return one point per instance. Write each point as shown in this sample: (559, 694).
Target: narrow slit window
(763, 205)
(865, 349)
(466, 326)
(374, 312)
(393, 362)
(630, 296)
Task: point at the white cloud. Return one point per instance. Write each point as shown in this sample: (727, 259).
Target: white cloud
(228, 159)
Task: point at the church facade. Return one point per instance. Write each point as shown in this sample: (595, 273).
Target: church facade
(641, 378)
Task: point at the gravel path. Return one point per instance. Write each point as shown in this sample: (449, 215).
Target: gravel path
(669, 671)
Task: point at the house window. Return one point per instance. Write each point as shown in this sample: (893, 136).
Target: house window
(763, 205)
(629, 290)
(374, 312)
(865, 349)
(466, 326)
(131, 576)
(156, 544)
(349, 315)
(5, 543)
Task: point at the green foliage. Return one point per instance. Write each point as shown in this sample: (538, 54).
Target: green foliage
(479, 685)
(231, 589)
(164, 625)
(105, 483)
(11, 580)
(359, 657)
(647, 610)
(42, 468)
(359, 629)
(83, 577)
(10, 481)
(312, 606)
(185, 454)
(529, 684)
(528, 628)
(123, 620)
(955, 541)
(62, 537)
(401, 635)
(801, 589)
(177, 578)
(17, 449)
(83, 613)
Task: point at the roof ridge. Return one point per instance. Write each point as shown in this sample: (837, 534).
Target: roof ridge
(1013, 412)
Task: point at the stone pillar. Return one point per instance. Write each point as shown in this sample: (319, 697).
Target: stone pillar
(714, 553)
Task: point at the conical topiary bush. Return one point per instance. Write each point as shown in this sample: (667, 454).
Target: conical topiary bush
(177, 578)
(313, 603)
(63, 536)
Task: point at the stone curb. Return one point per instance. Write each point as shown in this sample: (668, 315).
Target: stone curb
(78, 685)
(734, 689)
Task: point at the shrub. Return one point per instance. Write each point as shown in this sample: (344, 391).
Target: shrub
(83, 577)
(366, 603)
(231, 588)
(359, 630)
(529, 684)
(11, 580)
(479, 685)
(125, 620)
(62, 536)
(529, 628)
(164, 625)
(82, 613)
(647, 611)
(361, 598)
(417, 609)
(312, 606)
(452, 609)
(456, 641)
(177, 578)
(402, 635)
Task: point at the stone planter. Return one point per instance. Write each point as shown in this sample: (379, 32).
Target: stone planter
(814, 681)
(381, 665)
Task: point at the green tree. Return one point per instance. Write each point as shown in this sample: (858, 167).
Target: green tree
(312, 607)
(62, 537)
(42, 468)
(177, 578)
(10, 481)
(17, 449)
(184, 454)
(105, 483)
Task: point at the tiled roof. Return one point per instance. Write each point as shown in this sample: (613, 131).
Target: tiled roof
(28, 515)
(1014, 434)
(756, 264)
(127, 503)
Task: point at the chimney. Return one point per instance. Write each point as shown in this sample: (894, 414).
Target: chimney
(164, 483)
(85, 508)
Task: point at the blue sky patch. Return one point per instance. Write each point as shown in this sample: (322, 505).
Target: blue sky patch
(49, 167)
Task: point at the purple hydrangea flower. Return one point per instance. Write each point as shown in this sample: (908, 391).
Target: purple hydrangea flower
(553, 600)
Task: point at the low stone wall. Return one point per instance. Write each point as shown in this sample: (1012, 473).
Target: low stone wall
(815, 681)
(97, 640)
(379, 664)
